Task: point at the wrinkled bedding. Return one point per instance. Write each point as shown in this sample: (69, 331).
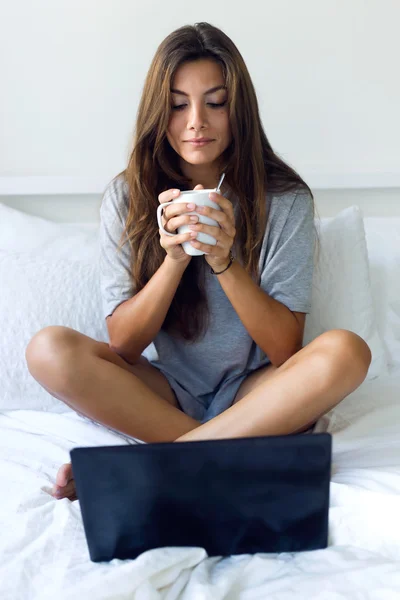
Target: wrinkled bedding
(43, 552)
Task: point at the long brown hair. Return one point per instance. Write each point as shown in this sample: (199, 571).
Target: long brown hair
(153, 167)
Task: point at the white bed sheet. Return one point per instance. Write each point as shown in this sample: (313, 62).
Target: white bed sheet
(43, 552)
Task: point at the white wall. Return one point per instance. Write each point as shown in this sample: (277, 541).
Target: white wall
(326, 75)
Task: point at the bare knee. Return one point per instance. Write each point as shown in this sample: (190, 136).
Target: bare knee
(54, 351)
(346, 349)
(48, 347)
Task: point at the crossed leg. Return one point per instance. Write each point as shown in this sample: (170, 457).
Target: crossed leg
(290, 398)
(137, 400)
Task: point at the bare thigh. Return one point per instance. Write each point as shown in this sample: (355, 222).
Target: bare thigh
(150, 375)
(263, 374)
(253, 380)
(63, 336)
(259, 377)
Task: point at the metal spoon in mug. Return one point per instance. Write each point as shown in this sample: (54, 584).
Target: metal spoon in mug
(220, 183)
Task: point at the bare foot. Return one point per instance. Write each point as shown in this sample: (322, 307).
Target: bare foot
(65, 484)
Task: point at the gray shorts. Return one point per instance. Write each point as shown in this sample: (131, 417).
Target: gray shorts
(206, 406)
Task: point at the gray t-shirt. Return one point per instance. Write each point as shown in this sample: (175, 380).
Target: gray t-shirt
(205, 375)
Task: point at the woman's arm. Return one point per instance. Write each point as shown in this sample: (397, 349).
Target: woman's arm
(267, 310)
(134, 318)
(273, 327)
(136, 322)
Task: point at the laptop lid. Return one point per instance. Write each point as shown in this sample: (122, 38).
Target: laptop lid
(229, 496)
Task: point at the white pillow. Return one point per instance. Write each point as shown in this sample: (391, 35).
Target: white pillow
(341, 295)
(37, 292)
(383, 241)
(48, 276)
(21, 232)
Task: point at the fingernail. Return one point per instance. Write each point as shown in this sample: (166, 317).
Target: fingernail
(200, 208)
(175, 192)
(191, 206)
(194, 219)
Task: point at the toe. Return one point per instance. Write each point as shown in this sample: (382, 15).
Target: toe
(67, 491)
(64, 475)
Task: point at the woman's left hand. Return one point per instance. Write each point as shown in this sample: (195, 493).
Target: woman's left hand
(217, 256)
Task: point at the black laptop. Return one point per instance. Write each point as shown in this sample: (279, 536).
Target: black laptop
(231, 496)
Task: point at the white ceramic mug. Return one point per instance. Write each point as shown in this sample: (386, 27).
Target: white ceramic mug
(200, 198)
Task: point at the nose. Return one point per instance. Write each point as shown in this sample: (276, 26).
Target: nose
(197, 117)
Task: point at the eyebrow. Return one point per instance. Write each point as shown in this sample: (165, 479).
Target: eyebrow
(214, 89)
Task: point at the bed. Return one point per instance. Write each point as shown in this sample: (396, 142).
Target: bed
(49, 276)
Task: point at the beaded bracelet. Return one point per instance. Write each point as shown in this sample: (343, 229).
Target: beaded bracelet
(231, 259)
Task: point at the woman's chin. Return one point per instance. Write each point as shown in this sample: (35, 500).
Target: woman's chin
(198, 159)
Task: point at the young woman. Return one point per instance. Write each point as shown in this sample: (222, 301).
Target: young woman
(223, 332)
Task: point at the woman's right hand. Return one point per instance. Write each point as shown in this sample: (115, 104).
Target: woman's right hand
(172, 218)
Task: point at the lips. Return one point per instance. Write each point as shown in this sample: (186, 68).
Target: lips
(199, 144)
(200, 140)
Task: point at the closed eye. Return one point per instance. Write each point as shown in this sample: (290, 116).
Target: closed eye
(213, 105)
